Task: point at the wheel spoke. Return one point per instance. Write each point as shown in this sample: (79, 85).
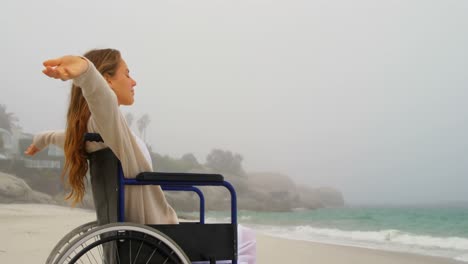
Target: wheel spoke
(130, 251)
(101, 253)
(118, 254)
(88, 258)
(92, 254)
(138, 252)
(151, 256)
(172, 252)
(115, 243)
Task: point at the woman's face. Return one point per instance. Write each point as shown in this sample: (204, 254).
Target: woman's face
(122, 84)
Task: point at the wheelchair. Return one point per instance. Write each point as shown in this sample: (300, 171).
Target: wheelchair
(111, 240)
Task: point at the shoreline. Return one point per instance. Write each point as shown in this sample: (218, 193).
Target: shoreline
(30, 231)
(299, 251)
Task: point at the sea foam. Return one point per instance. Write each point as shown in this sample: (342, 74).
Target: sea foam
(392, 240)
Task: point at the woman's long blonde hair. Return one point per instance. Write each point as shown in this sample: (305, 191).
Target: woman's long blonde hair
(106, 62)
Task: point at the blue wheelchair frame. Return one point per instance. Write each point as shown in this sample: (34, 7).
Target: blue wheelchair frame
(177, 182)
(168, 185)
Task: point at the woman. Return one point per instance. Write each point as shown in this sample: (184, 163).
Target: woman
(101, 83)
(95, 108)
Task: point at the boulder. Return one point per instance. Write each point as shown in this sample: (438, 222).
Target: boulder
(270, 192)
(312, 198)
(16, 190)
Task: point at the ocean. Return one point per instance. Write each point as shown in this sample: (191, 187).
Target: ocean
(428, 230)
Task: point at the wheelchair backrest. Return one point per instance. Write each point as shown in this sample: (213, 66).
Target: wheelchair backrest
(103, 169)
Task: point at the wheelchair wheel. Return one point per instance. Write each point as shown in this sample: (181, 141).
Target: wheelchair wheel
(69, 239)
(123, 243)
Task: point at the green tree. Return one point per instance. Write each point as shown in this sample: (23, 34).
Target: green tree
(189, 158)
(8, 120)
(143, 123)
(222, 161)
(187, 163)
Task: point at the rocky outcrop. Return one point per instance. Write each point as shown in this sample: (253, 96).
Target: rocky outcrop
(16, 190)
(255, 191)
(261, 192)
(311, 198)
(278, 192)
(270, 192)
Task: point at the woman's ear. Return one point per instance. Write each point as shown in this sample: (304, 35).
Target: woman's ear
(108, 79)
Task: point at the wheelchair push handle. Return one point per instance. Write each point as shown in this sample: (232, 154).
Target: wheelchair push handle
(93, 137)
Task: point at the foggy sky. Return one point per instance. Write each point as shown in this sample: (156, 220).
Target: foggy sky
(365, 96)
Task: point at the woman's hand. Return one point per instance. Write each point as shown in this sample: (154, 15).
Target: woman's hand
(31, 150)
(65, 68)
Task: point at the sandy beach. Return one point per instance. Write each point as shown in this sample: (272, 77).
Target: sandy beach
(277, 250)
(29, 232)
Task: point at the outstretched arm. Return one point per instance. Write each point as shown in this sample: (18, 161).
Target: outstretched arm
(63, 68)
(44, 139)
(103, 104)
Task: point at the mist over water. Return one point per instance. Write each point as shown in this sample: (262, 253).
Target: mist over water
(368, 97)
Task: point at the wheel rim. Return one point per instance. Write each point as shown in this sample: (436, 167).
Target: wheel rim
(87, 246)
(68, 239)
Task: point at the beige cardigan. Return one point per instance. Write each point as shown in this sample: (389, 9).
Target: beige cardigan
(143, 204)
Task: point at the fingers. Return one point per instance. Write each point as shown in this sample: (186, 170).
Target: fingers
(62, 73)
(52, 62)
(54, 68)
(28, 151)
(31, 150)
(57, 73)
(49, 71)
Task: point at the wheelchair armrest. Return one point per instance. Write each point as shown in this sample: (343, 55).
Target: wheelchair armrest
(179, 177)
